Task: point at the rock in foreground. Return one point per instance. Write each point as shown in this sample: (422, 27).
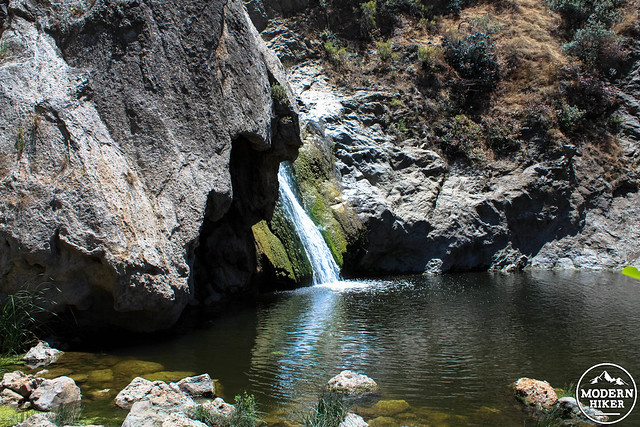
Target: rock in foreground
(535, 393)
(41, 355)
(352, 384)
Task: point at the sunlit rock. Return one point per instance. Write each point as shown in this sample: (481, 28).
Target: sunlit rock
(535, 393)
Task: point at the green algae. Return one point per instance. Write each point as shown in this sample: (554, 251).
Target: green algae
(135, 368)
(388, 408)
(383, 422)
(168, 376)
(100, 375)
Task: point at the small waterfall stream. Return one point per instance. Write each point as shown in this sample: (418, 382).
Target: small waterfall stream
(325, 269)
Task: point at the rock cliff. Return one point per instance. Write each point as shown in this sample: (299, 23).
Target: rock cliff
(139, 142)
(554, 204)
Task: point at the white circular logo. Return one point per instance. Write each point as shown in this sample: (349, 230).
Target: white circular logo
(606, 393)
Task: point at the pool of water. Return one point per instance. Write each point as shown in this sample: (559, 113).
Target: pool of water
(448, 345)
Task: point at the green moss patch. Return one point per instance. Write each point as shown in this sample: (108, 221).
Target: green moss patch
(272, 248)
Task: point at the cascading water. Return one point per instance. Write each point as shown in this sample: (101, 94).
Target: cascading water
(325, 269)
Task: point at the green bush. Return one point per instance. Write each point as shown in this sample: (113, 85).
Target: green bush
(19, 321)
(502, 133)
(336, 55)
(570, 117)
(278, 93)
(576, 13)
(474, 58)
(328, 412)
(368, 21)
(595, 45)
(245, 415)
(385, 50)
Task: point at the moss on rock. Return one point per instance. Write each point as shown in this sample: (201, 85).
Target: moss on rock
(272, 248)
(322, 196)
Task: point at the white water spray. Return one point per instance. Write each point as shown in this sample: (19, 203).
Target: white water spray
(325, 269)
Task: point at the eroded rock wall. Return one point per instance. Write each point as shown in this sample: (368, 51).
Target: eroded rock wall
(118, 124)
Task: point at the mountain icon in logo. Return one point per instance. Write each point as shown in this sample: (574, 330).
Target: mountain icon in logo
(604, 377)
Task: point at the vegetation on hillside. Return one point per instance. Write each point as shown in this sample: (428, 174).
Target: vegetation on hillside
(482, 80)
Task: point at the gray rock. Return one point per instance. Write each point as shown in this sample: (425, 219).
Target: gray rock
(41, 355)
(126, 125)
(200, 385)
(162, 403)
(219, 407)
(353, 420)
(352, 384)
(11, 398)
(52, 394)
(38, 420)
(20, 383)
(421, 214)
(137, 389)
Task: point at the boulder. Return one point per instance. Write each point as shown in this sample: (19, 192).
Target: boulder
(137, 389)
(219, 407)
(20, 383)
(352, 384)
(353, 420)
(128, 125)
(51, 394)
(10, 398)
(200, 385)
(41, 355)
(535, 393)
(160, 404)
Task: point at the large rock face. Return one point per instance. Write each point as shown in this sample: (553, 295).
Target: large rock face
(422, 214)
(126, 125)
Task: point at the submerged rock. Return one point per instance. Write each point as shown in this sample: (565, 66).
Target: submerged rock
(41, 355)
(535, 393)
(52, 394)
(389, 408)
(352, 384)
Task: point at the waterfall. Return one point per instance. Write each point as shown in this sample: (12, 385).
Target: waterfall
(325, 269)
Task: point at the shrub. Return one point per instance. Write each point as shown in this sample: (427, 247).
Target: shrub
(19, 320)
(385, 50)
(596, 46)
(368, 21)
(576, 13)
(474, 58)
(278, 92)
(20, 140)
(328, 412)
(245, 415)
(336, 55)
(462, 137)
(502, 133)
(569, 117)
(429, 56)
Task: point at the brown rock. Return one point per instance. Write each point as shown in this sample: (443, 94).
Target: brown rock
(535, 393)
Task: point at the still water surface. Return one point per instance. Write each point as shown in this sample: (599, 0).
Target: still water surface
(449, 345)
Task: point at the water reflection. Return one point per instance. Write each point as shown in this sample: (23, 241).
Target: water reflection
(448, 342)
